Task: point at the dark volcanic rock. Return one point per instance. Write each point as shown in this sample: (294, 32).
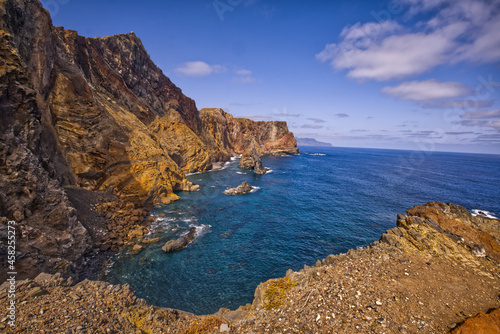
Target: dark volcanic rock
(178, 244)
(243, 188)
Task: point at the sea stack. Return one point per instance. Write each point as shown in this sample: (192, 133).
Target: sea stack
(252, 159)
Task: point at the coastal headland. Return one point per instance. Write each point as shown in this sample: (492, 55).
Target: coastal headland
(437, 271)
(93, 134)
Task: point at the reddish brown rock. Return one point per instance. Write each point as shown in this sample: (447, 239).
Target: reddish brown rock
(480, 324)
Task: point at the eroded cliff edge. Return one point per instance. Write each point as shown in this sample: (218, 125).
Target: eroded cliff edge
(437, 271)
(81, 115)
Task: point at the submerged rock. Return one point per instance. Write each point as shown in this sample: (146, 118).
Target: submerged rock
(178, 244)
(243, 188)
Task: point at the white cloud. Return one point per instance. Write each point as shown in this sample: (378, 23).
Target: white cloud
(464, 104)
(458, 30)
(199, 69)
(490, 124)
(417, 6)
(479, 114)
(428, 90)
(245, 79)
(485, 47)
(243, 72)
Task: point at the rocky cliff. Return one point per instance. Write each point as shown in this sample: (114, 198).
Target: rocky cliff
(437, 271)
(236, 134)
(96, 114)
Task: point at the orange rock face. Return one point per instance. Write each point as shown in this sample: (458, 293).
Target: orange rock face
(119, 121)
(456, 220)
(237, 134)
(480, 324)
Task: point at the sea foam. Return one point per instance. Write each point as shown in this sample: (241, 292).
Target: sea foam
(483, 213)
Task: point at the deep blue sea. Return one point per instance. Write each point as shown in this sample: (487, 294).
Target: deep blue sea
(323, 201)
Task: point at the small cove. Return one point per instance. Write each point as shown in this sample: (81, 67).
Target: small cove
(323, 201)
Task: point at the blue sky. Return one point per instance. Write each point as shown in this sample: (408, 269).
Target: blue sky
(402, 74)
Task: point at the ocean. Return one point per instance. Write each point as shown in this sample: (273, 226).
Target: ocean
(323, 201)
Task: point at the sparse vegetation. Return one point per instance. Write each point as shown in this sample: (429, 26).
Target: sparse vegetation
(203, 326)
(276, 292)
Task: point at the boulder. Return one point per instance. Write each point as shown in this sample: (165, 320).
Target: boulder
(180, 243)
(243, 188)
(136, 249)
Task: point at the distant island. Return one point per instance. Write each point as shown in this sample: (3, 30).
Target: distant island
(310, 142)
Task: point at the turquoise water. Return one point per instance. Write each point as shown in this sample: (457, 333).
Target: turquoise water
(323, 201)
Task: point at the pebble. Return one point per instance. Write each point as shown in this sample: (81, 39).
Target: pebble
(224, 328)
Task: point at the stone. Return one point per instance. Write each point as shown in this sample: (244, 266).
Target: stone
(478, 251)
(180, 243)
(37, 291)
(243, 188)
(74, 296)
(224, 328)
(135, 233)
(136, 249)
(43, 278)
(150, 241)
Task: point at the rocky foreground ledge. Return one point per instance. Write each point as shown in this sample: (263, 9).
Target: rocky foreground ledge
(436, 272)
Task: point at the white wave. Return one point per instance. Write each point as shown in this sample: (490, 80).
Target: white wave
(219, 166)
(241, 173)
(189, 174)
(483, 213)
(201, 230)
(317, 154)
(235, 157)
(269, 171)
(254, 189)
(109, 265)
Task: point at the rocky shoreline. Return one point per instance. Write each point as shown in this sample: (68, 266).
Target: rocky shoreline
(93, 134)
(425, 275)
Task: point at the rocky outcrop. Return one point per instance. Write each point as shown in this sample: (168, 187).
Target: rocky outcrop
(58, 305)
(180, 243)
(229, 135)
(251, 159)
(420, 277)
(243, 188)
(380, 287)
(480, 324)
(96, 114)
